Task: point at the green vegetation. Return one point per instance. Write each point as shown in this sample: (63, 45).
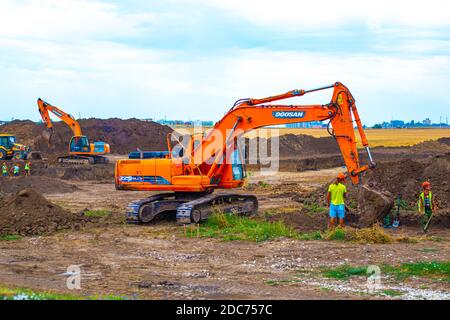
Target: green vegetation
(233, 227)
(96, 213)
(316, 235)
(436, 270)
(27, 294)
(10, 237)
(392, 293)
(263, 184)
(374, 234)
(315, 208)
(229, 227)
(344, 272)
(428, 250)
(336, 234)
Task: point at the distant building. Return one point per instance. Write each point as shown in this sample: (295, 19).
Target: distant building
(427, 122)
(412, 124)
(397, 123)
(311, 124)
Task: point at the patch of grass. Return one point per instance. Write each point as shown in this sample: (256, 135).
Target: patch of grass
(316, 235)
(434, 269)
(280, 282)
(263, 184)
(96, 213)
(276, 211)
(232, 227)
(392, 293)
(315, 208)
(344, 272)
(10, 237)
(28, 294)
(335, 234)
(428, 250)
(374, 234)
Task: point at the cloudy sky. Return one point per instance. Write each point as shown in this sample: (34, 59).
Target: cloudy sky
(191, 59)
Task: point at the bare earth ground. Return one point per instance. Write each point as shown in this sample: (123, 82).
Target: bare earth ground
(158, 262)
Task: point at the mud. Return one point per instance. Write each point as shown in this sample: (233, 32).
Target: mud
(40, 184)
(48, 169)
(158, 262)
(28, 213)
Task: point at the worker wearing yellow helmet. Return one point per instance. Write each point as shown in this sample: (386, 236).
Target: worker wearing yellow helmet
(336, 200)
(427, 205)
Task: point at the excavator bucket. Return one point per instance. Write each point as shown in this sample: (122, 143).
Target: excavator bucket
(34, 155)
(47, 135)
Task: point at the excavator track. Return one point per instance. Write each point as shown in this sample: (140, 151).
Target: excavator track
(83, 160)
(189, 208)
(198, 210)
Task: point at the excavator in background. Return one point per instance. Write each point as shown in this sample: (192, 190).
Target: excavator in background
(10, 149)
(81, 151)
(189, 174)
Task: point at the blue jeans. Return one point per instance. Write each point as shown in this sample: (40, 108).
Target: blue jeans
(337, 211)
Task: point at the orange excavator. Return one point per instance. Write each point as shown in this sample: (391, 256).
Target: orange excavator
(80, 150)
(190, 172)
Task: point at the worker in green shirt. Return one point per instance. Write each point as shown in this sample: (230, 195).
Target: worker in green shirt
(335, 200)
(27, 168)
(5, 169)
(16, 170)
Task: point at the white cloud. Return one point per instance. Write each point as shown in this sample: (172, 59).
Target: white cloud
(66, 19)
(331, 14)
(106, 79)
(59, 50)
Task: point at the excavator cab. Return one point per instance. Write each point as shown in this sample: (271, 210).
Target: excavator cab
(80, 144)
(7, 143)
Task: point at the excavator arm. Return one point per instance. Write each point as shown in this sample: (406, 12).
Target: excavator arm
(45, 109)
(249, 114)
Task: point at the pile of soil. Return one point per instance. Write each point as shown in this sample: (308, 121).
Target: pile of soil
(28, 213)
(292, 145)
(95, 173)
(303, 220)
(100, 172)
(445, 140)
(405, 177)
(41, 184)
(431, 146)
(389, 179)
(123, 136)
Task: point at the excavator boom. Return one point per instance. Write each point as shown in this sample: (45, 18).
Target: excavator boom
(45, 109)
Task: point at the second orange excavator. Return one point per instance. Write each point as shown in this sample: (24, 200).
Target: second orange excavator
(81, 151)
(189, 173)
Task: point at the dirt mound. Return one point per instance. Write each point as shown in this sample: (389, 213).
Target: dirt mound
(445, 140)
(406, 176)
(431, 146)
(29, 213)
(40, 184)
(124, 136)
(96, 173)
(292, 145)
(390, 179)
